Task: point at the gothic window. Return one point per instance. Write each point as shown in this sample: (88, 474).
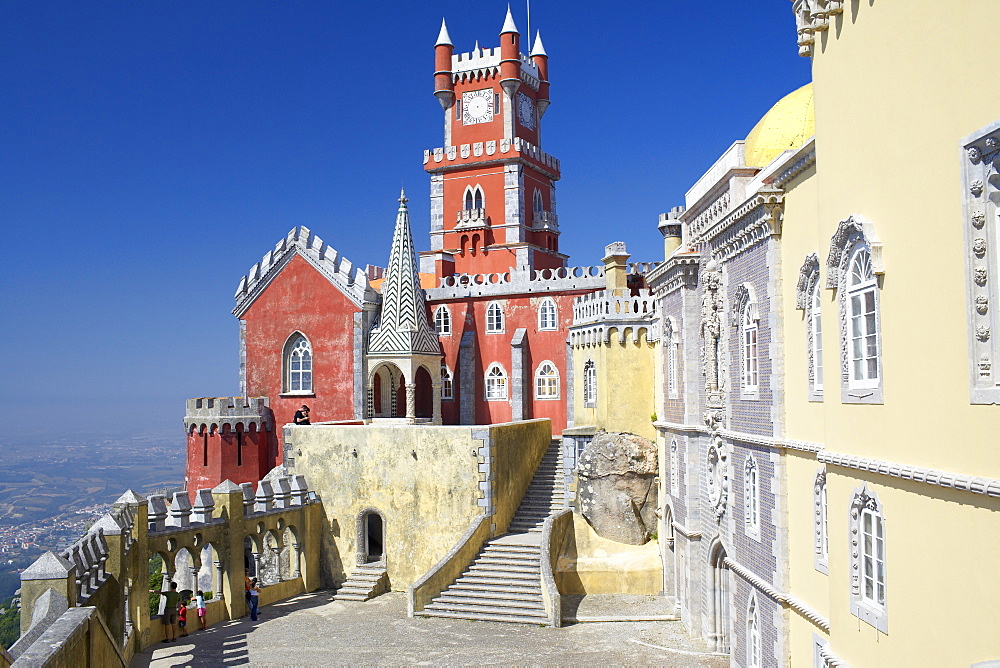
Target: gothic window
(494, 319)
(298, 365)
(496, 383)
(546, 381)
(675, 474)
(863, 326)
(442, 321)
(821, 527)
(473, 198)
(751, 480)
(867, 550)
(748, 345)
(447, 384)
(536, 201)
(673, 346)
(816, 322)
(547, 315)
(589, 384)
(753, 633)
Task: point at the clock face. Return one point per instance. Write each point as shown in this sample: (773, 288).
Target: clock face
(525, 111)
(477, 106)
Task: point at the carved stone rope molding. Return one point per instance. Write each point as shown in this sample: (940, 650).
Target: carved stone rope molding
(832, 659)
(788, 600)
(965, 483)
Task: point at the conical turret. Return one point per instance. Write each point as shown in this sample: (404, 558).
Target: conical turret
(444, 84)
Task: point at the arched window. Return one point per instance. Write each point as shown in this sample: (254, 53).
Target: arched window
(821, 528)
(298, 364)
(547, 315)
(447, 384)
(494, 319)
(752, 491)
(748, 342)
(496, 383)
(546, 381)
(536, 202)
(442, 321)
(863, 327)
(473, 198)
(753, 633)
(816, 320)
(589, 384)
(868, 588)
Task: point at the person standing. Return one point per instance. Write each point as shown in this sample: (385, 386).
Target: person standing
(169, 616)
(199, 601)
(254, 598)
(182, 618)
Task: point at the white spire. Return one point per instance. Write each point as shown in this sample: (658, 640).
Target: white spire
(508, 24)
(444, 39)
(538, 49)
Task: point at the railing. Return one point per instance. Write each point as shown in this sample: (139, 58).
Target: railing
(556, 528)
(606, 305)
(470, 219)
(451, 566)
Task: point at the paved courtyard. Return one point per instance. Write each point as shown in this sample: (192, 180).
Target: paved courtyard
(313, 630)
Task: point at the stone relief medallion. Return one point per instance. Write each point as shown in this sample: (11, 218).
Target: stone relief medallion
(717, 477)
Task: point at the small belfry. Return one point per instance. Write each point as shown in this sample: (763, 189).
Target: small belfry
(492, 187)
(403, 358)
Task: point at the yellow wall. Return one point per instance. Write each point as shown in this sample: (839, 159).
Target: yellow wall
(625, 377)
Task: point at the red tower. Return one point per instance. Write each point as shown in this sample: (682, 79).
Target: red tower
(492, 187)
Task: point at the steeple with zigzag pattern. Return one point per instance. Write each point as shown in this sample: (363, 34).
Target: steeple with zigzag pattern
(403, 328)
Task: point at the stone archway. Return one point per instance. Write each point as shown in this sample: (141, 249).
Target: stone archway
(371, 536)
(719, 610)
(424, 393)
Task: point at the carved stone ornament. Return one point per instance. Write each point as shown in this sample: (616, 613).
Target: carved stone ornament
(992, 143)
(717, 477)
(983, 333)
(711, 327)
(974, 153)
(984, 366)
(808, 273)
(978, 219)
(976, 187)
(980, 275)
(979, 247)
(849, 232)
(982, 304)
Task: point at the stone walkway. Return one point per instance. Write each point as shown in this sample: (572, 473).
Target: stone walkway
(313, 630)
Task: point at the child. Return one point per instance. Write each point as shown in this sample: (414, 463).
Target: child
(182, 616)
(199, 600)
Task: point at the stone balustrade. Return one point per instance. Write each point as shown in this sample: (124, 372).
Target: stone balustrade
(468, 219)
(605, 305)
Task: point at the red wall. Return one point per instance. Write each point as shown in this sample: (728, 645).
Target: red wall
(301, 299)
(225, 460)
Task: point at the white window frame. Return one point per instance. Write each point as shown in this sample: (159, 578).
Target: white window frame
(862, 295)
(816, 337)
(296, 347)
(590, 384)
(496, 383)
(821, 523)
(867, 550)
(494, 318)
(548, 315)
(442, 320)
(754, 652)
(447, 383)
(474, 198)
(547, 381)
(749, 351)
(537, 205)
(751, 492)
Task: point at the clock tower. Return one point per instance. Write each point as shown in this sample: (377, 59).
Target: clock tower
(492, 186)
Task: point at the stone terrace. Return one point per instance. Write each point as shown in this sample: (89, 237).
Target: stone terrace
(312, 629)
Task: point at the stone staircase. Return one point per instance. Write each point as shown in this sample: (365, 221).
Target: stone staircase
(504, 582)
(365, 582)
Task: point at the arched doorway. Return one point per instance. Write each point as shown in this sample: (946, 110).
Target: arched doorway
(399, 408)
(371, 536)
(719, 599)
(424, 394)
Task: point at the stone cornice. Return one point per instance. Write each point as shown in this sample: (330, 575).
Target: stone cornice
(965, 483)
(804, 158)
(675, 272)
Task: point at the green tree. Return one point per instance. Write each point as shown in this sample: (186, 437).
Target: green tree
(155, 583)
(10, 623)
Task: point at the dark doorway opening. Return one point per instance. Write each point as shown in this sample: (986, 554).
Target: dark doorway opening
(374, 534)
(425, 394)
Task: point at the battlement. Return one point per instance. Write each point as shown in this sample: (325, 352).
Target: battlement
(219, 411)
(352, 280)
(517, 281)
(605, 305)
(520, 148)
(482, 62)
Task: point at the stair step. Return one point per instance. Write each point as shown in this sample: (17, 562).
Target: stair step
(525, 561)
(350, 597)
(488, 578)
(503, 568)
(451, 600)
(513, 619)
(495, 591)
(488, 610)
(512, 547)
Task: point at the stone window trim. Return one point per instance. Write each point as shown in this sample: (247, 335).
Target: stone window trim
(297, 360)
(474, 198)
(589, 384)
(442, 320)
(753, 632)
(751, 500)
(821, 524)
(807, 299)
(746, 321)
(980, 161)
(548, 315)
(447, 384)
(675, 474)
(547, 382)
(672, 340)
(495, 385)
(853, 235)
(494, 318)
(866, 559)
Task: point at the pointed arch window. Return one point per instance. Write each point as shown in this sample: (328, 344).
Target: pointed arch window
(547, 381)
(496, 383)
(753, 633)
(298, 363)
(547, 320)
(442, 321)
(474, 198)
(536, 202)
(751, 480)
(589, 384)
(494, 319)
(447, 384)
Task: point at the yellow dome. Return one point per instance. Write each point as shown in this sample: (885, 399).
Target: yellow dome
(787, 125)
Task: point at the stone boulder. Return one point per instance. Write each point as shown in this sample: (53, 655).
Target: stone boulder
(617, 490)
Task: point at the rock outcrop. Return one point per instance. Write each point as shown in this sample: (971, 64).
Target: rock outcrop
(617, 490)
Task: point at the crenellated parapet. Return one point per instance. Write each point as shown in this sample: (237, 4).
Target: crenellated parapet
(214, 412)
(458, 156)
(596, 316)
(340, 271)
(518, 281)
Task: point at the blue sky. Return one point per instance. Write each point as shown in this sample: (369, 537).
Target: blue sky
(151, 152)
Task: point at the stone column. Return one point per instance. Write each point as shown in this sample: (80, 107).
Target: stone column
(293, 557)
(370, 402)
(218, 591)
(436, 417)
(411, 403)
(194, 576)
